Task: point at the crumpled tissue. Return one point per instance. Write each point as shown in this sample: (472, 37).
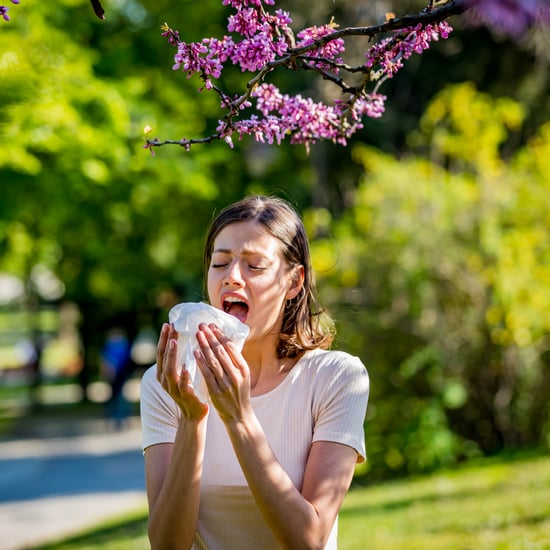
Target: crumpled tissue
(186, 319)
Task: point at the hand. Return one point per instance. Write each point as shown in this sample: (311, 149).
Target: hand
(225, 372)
(179, 386)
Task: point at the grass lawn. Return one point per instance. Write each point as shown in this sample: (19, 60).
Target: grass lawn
(494, 504)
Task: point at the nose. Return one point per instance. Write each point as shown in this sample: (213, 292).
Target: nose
(233, 275)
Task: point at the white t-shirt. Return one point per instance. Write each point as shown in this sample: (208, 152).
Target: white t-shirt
(323, 398)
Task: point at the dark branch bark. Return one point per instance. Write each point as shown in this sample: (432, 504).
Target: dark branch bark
(98, 9)
(429, 15)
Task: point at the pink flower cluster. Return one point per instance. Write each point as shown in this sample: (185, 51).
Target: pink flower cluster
(4, 10)
(330, 51)
(388, 55)
(264, 36)
(303, 119)
(260, 40)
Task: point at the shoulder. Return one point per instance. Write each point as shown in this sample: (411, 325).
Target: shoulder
(149, 374)
(149, 380)
(334, 361)
(340, 392)
(152, 394)
(334, 367)
(158, 411)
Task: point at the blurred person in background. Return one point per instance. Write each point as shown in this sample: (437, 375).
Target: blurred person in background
(116, 368)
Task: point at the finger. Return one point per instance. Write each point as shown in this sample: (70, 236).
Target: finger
(216, 340)
(217, 359)
(161, 347)
(168, 333)
(170, 375)
(207, 373)
(185, 384)
(172, 334)
(231, 349)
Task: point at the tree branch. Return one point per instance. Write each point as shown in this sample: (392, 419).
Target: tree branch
(98, 9)
(308, 57)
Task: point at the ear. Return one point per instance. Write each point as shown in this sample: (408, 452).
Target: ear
(296, 282)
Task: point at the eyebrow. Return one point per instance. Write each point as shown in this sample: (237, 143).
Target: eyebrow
(244, 252)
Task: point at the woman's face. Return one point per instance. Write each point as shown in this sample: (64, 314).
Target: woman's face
(249, 278)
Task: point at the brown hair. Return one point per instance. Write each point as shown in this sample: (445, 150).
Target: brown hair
(305, 325)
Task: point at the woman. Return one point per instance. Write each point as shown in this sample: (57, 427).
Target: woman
(267, 462)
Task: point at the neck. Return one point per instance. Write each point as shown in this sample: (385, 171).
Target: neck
(261, 357)
(266, 369)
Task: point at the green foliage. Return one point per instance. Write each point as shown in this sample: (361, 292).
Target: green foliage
(81, 198)
(438, 277)
(79, 193)
(468, 128)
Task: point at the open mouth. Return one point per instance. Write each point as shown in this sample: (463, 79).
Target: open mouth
(236, 307)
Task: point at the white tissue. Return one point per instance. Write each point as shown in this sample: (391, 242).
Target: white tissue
(186, 319)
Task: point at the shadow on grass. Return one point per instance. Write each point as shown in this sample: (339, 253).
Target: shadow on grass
(123, 529)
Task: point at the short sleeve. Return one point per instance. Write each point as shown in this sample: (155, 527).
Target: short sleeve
(341, 407)
(159, 413)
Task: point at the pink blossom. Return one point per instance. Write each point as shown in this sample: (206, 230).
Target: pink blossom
(238, 4)
(4, 10)
(253, 53)
(371, 105)
(388, 54)
(206, 57)
(305, 120)
(330, 51)
(244, 22)
(282, 19)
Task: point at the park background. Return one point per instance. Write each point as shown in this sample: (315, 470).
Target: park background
(430, 230)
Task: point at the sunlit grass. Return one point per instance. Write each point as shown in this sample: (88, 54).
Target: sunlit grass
(502, 505)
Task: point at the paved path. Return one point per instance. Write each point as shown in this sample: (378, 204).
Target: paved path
(55, 487)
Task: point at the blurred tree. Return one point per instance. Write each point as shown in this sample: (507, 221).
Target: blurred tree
(438, 276)
(80, 196)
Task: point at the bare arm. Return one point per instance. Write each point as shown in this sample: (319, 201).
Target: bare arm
(299, 519)
(173, 470)
(173, 473)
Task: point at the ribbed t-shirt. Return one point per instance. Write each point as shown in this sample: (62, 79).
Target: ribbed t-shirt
(323, 398)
